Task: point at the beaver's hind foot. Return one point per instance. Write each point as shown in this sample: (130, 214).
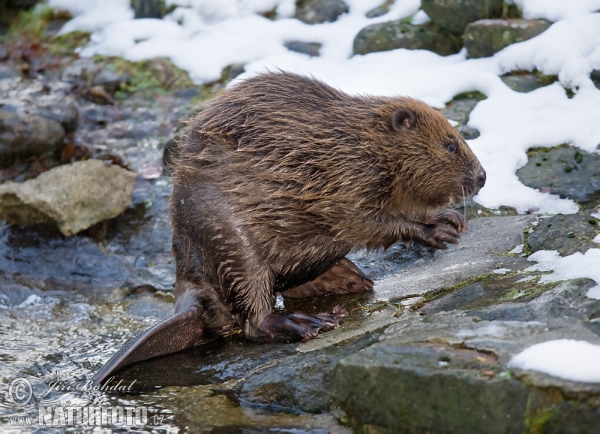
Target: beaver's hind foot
(297, 326)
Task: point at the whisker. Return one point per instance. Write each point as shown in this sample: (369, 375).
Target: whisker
(464, 203)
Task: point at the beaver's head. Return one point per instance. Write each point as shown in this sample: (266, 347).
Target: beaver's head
(434, 165)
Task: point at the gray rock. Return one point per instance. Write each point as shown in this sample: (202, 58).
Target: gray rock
(319, 11)
(74, 197)
(232, 71)
(6, 72)
(148, 8)
(110, 79)
(459, 109)
(398, 34)
(61, 109)
(454, 15)
(484, 38)
(595, 76)
(449, 369)
(380, 10)
(82, 69)
(565, 171)
(522, 83)
(566, 233)
(310, 48)
(468, 132)
(3, 52)
(26, 135)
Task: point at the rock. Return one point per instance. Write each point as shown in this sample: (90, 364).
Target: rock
(398, 34)
(148, 8)
(3, 52)
(63, 110)
(80, 70)
(454, 15)
(110, 79)
(28, 135)
(523, 83)
(380, 10)
(310, 48)
(304, 382)
(232, 71)
(6, 72)
(484, 38)
(73, 196)
(566, 171)
(468, 132)
(394, 385)
(319, 11)
(565, 233)
(595, 77)
(459, 109)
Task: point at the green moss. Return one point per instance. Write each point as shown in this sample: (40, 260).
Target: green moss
(67, 43)
(32, 24)
(578, 157)
(447, 290)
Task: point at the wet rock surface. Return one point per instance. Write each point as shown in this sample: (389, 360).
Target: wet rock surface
(566, 234)
(74, 196)
(399, 34)
(319, 11)
(484, 38)
(465, 355)
(565, 171)
(454, 15)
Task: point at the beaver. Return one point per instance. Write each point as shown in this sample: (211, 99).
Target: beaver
(278, 179)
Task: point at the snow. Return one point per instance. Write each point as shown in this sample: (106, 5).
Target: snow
(574, 266)
(564, 358)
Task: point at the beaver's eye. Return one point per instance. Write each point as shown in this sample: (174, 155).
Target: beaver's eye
(451, 147)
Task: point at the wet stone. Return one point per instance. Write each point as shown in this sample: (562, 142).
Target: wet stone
(454, 15)
(7, 73)
(566, 171)
(110, 79)
(28, 135)
(565, 233)
(523, 82)
(82, 69)
(310, 48)
(399, 34)
(484, 38)
(319, 11)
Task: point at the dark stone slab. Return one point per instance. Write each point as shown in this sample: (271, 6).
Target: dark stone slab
(454, 15)
(565, 233)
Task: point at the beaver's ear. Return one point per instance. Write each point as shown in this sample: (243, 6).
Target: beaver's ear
(403, 119)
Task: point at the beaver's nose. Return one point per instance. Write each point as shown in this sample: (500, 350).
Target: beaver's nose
(480, 178)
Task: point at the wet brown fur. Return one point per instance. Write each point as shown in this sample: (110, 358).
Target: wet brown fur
(281, 176)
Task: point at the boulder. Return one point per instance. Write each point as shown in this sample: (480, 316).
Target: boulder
(566, 234)
(569, 172)
(319, 11)
(74, 196)
(399, 34)
(25, 135)
(522, 83)
(484, 38)
(454, 15)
